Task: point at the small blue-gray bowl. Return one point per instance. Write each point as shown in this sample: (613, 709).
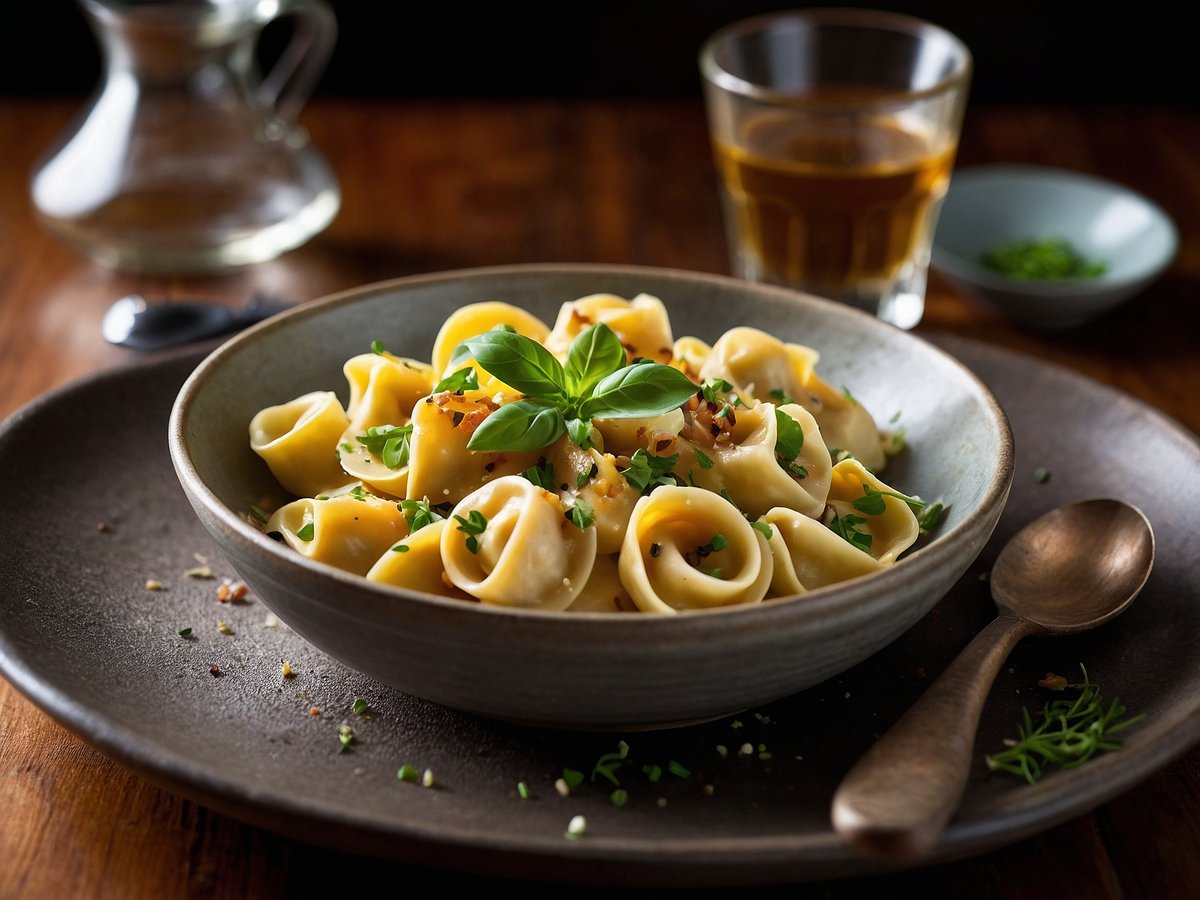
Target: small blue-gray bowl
(990, 206)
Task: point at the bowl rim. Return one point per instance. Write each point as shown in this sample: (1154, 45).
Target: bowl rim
(841, 597)
(989, 174)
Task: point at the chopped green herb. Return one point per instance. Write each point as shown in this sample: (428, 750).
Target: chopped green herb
(719, 542)
(789, 441)
(542, 474)
(1069, 734)
(581, 514)
(715, 573)
(780, 397)
(407, 773)
(390, 443)
(763, 528)
(711, 389)
(872, 501)
(1041, 476)
(474, 524)
(377, 347)
(400, 548)
(847, 528)
(185, 632)
(647, 471)
(345, 738)
(418, 514)
(653, 772)
(928, 518)
(360, 706)
(572, 777)
(619, 797)
(306, 532)
(523, 790)
(358, 492)
(678, 769)
(706, 461)
(586, 475)
(1047, 259)
(607, 765)
(259, 515)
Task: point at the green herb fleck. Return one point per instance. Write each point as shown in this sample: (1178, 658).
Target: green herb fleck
(647, 471)
(377, 348)
(474, 524)
(678, 769)
(572, 777)
(306, 532)
(789, 441)
(586, 475)
(542, 474)
(418, 514)
(619, 797)
(581, 514)
(763, 528)
(390, 443)
(1041, 476)
(523, 791)
(706, 461)
(360, 706)
(185, 632)
(407, 773)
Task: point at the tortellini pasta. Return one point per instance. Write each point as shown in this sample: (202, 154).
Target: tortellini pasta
(601, 465)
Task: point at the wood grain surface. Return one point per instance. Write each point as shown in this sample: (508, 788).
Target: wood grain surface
(437, 186)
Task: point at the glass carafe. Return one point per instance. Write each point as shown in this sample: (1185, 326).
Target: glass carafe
(187, 159)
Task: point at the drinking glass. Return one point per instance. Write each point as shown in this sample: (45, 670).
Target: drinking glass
(834, 133)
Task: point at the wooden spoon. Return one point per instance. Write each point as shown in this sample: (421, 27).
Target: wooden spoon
(1070, 570)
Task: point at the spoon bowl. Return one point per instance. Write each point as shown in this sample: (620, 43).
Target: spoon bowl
(1049, 576)
(1072, 569)
(133, 322)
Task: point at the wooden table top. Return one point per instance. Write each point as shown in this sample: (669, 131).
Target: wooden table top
(447, 185)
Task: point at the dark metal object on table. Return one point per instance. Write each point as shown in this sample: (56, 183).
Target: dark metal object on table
(135, 323)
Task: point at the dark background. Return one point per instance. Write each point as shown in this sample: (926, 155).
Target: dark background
(1050, 51)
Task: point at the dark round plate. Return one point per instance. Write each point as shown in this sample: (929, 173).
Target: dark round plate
(93, 510)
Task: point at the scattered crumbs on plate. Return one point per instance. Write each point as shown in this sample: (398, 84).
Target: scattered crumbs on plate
(213, 670)
(224, 627)
(102, 527)
(199, 572)
(271, 621)
(231, 591)
(564, 789)
(314, 710)
(661, 802)
(286, 670)
(576, 828)
(153, 584)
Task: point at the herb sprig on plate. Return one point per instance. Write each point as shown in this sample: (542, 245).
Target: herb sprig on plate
(1069, 733)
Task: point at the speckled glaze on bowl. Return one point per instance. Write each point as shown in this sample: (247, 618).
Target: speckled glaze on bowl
(990, 205)
(593, 671)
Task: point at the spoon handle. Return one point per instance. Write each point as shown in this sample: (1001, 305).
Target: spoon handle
(894, 804)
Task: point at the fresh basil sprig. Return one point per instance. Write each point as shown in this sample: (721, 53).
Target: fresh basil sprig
(595, 382)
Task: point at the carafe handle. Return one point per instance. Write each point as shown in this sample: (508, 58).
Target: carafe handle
(291, 80)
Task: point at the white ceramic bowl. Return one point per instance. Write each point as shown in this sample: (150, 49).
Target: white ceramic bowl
(594, 670)
(987, 206)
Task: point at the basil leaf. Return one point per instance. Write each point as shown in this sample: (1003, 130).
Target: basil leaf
(648, 389)
(389, 443)
(520, 362)
(595, 352)
(460, 380)
(580, 431)
(789, 439)
(521, 425)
